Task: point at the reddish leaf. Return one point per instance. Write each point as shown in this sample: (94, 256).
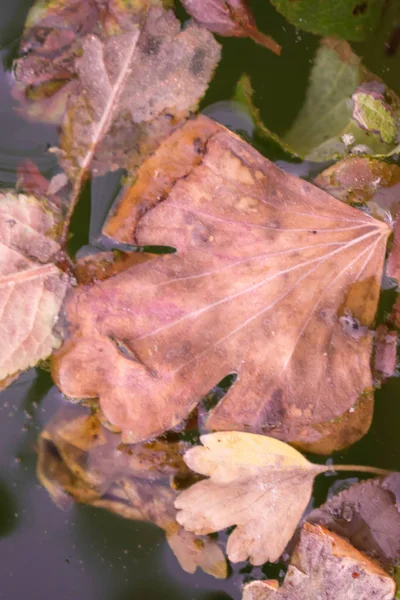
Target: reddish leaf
(386, 351)
(274, 280)
(230, 18)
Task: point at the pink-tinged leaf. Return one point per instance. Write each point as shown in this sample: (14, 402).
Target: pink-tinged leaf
(385, 351)
(273, 280)
(229, 18)
(393, 263)
(32, 288)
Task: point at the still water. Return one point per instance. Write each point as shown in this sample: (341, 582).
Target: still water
(89, 554)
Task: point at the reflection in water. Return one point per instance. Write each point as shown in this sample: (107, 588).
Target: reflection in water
(81, 460)
(8, 512)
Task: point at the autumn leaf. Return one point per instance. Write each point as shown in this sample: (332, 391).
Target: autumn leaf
(339, 114)
(80, 460)
(52, 40)
(351, 20)
(325, 566)
(367, 515)
(257, 483)
(32, 288)
(273, 279)
(229, 18)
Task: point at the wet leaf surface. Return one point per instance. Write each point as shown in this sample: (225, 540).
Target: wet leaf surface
(257, 483)
(339, 115)
(80, 460)
(351, 20)
(325, 566)
(229, 18)
(294, 345)
(367, 515)
(32, 288)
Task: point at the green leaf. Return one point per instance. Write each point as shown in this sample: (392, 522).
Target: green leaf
(339, 115)
(348, 19)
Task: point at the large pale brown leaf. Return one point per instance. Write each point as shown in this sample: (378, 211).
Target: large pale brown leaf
(324, 566)
(81, 460)
(273, 279)
(32, 288)
(257, 483)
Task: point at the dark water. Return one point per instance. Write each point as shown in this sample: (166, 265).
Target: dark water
(88, 554)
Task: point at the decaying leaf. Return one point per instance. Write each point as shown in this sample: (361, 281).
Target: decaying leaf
(257, 483)
(385, 351)
(362, 180)
(32, 288)
(336, 117)
(133, 90)
(274, 280)
(81, 460)
(230, 18)
(393, 263)
(347, 19)
(367, 515)
(325, 566)
(52, 40)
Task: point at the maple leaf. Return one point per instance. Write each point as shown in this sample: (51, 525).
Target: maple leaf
(229, 18)
(79, 459)
(32, 288)
(273, 279)
(325, 566)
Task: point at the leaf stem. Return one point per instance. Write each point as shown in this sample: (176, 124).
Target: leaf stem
(360, 469)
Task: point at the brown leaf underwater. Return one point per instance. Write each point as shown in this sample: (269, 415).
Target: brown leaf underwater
(325, 566)
(32, 288)
(257, 483)
(273, 280)
(80, 460)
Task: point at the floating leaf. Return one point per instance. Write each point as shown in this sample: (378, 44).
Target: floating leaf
(373, 113)
(325, 127)
(257, 483)
(81, 460)
(347, 19)
(385, 351)
(367, 515)
(32, 288)
(287, 309)
(325, 566)
(229, 18)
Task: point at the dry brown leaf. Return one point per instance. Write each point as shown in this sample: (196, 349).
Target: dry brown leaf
(273, 279)
(257, 483)
(81, 460)
(32, 288)
(324, 567)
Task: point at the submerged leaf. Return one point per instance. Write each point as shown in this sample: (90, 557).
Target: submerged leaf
(230, 18)
(32, 288)
(325, 566)
(287, 309)
(81, 460)
(257, 483)
(133, 90)
(348, 19)
(367, 514)
(329, 122)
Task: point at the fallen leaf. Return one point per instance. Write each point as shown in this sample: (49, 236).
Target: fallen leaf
(257, 483)
(385, 351)
(393, 263)
(32, 288)
(307, 261)
(229, 18)
(51, 42)
(362, 180)
(351, 20)
(134, 88)
(81, 460)
(103, 265)
(367, 515)
(328, 124)
(325, 566)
